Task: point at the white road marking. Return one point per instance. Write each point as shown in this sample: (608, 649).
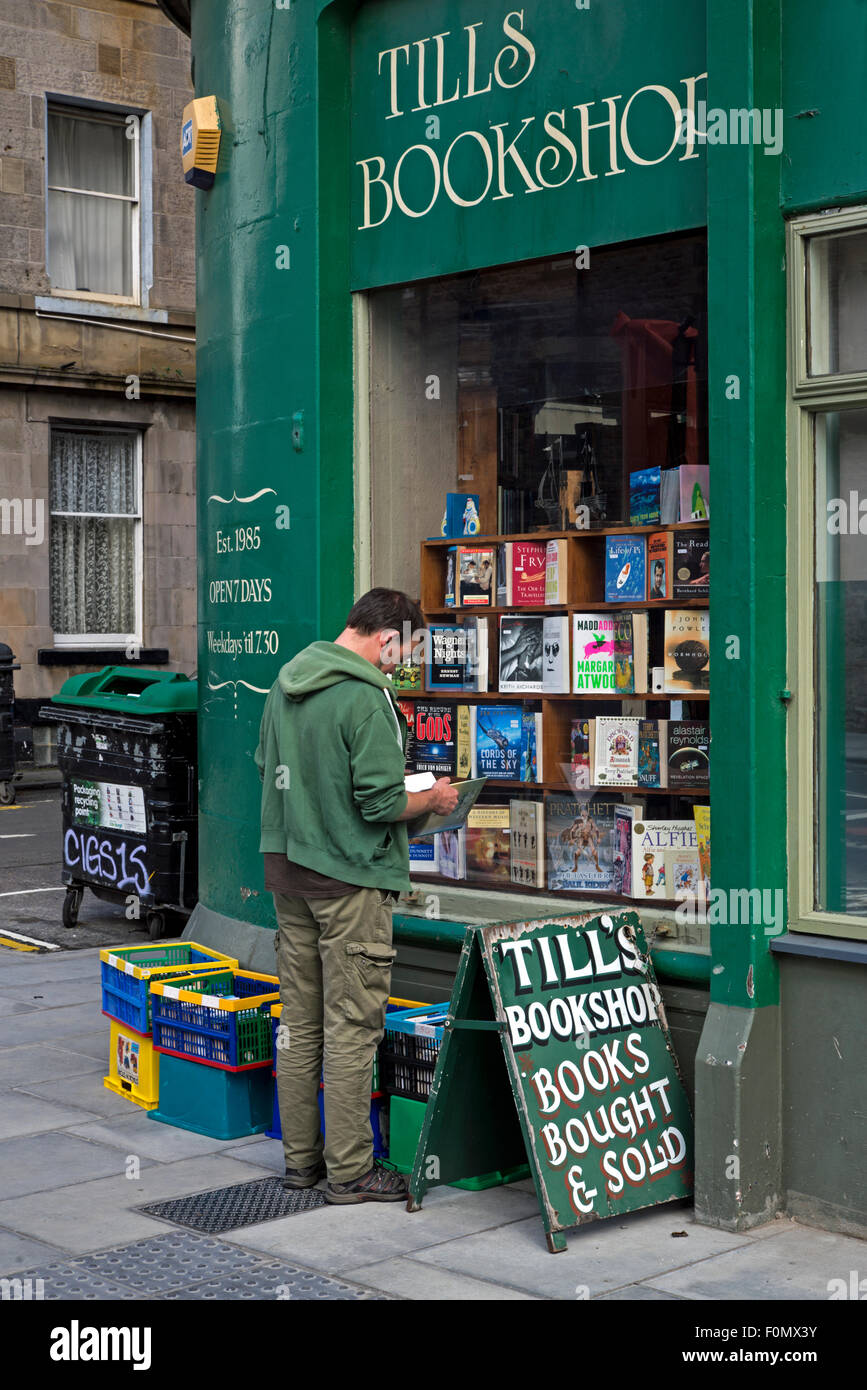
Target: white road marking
(19, 892)
(30, 940)
(28, 835)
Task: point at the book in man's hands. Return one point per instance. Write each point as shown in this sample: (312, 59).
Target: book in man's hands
(430, 823)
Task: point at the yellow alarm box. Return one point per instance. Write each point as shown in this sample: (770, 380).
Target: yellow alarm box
(200, 141)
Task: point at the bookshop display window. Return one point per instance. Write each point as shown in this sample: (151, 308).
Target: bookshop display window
(538, 479)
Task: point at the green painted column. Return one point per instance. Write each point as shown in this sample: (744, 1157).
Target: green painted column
(738, 1069)
(275, 517)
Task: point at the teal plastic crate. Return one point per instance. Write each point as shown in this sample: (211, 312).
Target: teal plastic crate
(209, 1100)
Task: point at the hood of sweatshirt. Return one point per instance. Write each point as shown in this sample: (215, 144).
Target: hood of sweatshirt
(323, 664)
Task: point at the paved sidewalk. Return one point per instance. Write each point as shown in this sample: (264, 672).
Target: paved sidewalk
(68, 1209)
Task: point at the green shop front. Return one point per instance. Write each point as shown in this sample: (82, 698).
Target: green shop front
(521, 255)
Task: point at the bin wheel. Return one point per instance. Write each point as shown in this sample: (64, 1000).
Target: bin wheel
(71, 905)
(7, 793)
(156, 925)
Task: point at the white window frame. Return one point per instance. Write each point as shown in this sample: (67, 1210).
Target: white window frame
(120, 116)
(809, 396)
(110, 639)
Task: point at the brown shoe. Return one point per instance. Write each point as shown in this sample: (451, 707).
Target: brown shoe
(382, 1183)
(303, 1177)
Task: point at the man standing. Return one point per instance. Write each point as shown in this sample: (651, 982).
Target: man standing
(331, 758)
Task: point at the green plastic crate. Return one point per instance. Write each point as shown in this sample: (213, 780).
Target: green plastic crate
(405, 1120)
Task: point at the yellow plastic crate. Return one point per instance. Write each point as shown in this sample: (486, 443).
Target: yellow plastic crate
(133, 1067)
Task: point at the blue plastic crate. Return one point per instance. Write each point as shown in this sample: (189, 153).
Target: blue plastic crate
(379, 1148)
(128, 971)
(229, 1037)
(409, 1051)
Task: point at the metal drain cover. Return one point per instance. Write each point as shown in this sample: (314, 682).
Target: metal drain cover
(242, 1204)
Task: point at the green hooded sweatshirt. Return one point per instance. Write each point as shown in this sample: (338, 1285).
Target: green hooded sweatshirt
(331, 759)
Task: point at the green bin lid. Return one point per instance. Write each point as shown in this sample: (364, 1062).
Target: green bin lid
(130, 690)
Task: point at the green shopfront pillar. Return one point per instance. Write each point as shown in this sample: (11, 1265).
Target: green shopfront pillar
(739, 1158)
(275, 493)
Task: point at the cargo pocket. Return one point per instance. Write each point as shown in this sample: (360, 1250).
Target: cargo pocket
(367, 980)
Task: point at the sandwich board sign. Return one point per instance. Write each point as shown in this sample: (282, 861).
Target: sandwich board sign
(556, 1053)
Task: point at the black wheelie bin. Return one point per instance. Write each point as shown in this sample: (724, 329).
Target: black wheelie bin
(126, 748)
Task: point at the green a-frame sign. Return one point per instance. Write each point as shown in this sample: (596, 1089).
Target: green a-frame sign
(556, 1053)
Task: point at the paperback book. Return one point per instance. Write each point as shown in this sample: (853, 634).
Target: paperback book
(469, 576)
(701, 816)
(498, 736)
(644, 497)
(694, 479)
(461, 516)
(534, 654)
(631, 647)
(688, 759)
(691, 567)
(531, 747)
(579, 836)
(682, 873)
(616, 752)
(448, 667)
(487, 845)
(452, 850)
(651, 840)
(593, 653)
(652, 764)
(583, 751)
(625, 817)
(527, 843)
(625, 569)
(660, 563)
(556, 587)
(435, 739)
(686, 650)
(424, 855)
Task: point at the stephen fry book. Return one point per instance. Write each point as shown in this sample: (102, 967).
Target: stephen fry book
(580, 844)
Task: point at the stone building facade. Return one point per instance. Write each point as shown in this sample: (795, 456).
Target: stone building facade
(97, 346)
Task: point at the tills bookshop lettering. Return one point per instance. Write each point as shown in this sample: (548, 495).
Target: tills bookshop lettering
(582, 141)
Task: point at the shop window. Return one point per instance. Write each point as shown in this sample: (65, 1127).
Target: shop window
(828, 574)
(95, 537)
(540, 387)
(92, 203)
(533, 395)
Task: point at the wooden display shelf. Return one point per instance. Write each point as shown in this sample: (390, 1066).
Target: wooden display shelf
(510, 785)
(591, 606)
(496, 697)
(567, 535)
(507, 886)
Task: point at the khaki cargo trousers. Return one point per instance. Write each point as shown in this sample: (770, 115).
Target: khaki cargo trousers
(334, 960)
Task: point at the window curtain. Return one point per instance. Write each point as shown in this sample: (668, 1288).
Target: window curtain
(89, 239)
(92, 558)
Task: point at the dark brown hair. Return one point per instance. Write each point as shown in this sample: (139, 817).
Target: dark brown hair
(384, 608)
